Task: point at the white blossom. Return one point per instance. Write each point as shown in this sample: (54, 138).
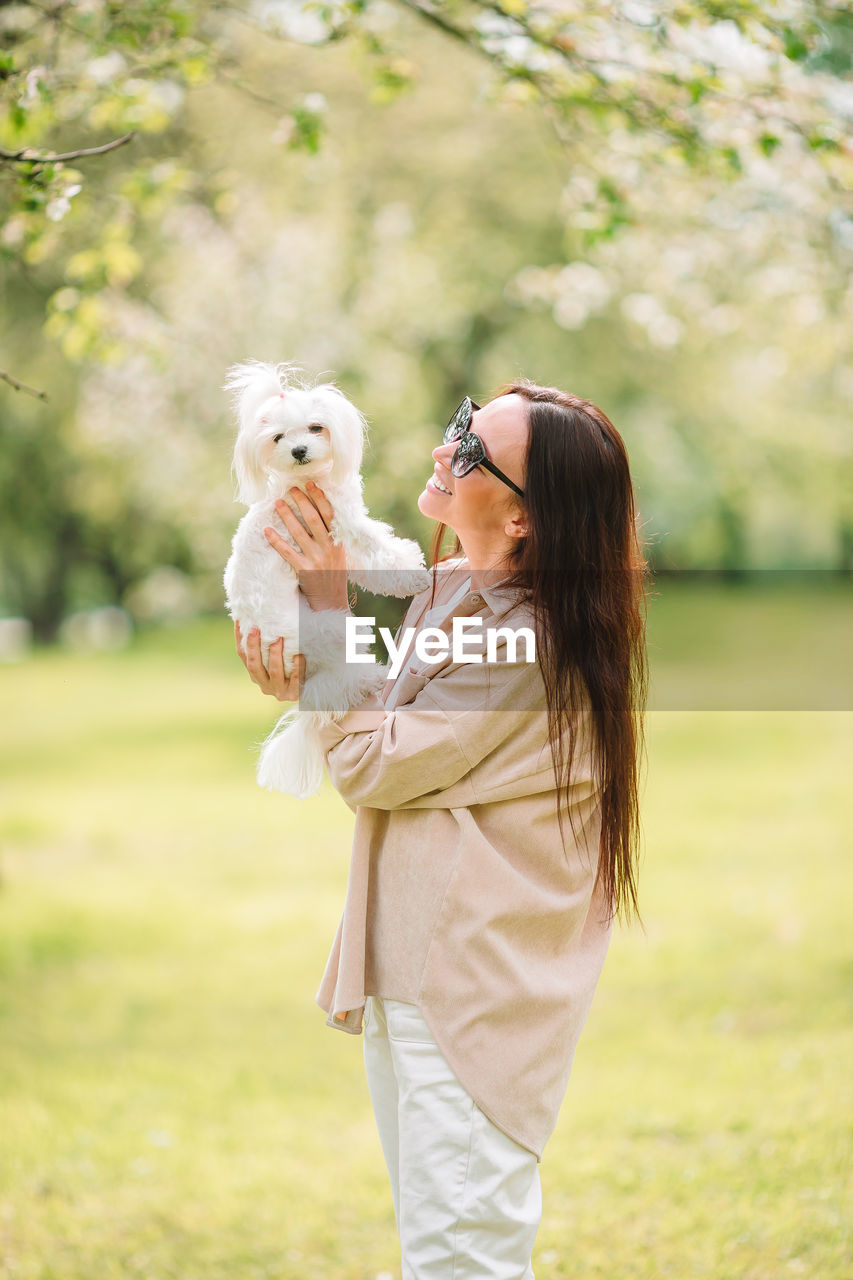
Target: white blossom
(298, 20)
(60, 205)
(106, 69)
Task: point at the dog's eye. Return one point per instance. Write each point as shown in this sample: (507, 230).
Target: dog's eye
(276, 439)
(316, 427)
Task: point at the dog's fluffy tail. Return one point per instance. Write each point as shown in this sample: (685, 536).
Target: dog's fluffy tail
(292, 757)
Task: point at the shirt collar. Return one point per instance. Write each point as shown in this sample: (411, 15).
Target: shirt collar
(495, 587)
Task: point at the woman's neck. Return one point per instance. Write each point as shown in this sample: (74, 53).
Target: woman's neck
(484, 561)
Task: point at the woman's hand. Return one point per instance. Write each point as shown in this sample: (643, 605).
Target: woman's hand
(274, 681)
(319, 561)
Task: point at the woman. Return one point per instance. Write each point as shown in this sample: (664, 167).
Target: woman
(487, 865)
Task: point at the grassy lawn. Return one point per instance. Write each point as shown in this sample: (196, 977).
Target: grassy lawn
(173, 1105)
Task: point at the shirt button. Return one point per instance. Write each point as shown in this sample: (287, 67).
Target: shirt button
(476, 599)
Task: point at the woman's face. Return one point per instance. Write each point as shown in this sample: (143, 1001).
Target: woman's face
(479, 506)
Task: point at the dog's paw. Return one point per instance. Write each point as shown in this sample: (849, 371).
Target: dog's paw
(405, 582)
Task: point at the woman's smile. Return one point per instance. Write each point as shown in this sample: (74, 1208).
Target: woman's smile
(437, 484)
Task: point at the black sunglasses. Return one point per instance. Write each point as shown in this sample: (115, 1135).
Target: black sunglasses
(470, 452)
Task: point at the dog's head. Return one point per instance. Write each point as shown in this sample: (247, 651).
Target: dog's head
(291, 431)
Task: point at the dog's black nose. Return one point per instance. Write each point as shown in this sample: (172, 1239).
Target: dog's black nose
(299, 451)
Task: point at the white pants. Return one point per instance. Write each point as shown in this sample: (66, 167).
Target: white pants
(467, 1197)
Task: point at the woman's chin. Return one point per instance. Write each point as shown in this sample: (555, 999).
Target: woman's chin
(427, 504)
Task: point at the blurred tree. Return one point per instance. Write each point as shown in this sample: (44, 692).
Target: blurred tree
(687, 231)
(736, 90)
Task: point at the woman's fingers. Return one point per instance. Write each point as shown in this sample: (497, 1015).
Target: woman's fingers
(309, 527)
(318, 560)
(285, 688)
(273, 680)
(238, 640)
(311, 515)
(322, 503)
(276, 667)
(254, 662)
(285, 549)
(303, 531)
(297, 677)
(294, 555)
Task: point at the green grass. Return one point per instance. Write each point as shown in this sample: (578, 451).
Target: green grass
(778, 641)
(173, 1105)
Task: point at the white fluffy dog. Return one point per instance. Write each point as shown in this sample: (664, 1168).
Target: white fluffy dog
(290, 433)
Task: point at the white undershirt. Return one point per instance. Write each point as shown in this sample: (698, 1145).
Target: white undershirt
(440, 611)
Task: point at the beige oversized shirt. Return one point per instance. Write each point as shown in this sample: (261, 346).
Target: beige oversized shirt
(462, 896)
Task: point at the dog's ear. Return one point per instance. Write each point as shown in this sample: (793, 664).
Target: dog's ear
(248, 470)
(251, 384)
(348, 429)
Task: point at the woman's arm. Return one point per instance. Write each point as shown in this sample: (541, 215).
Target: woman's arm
(473, 732)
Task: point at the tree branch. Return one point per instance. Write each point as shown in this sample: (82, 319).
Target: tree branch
(24, 156)
(22, 386)
(671, 121)
(458, 33)
(655, 120)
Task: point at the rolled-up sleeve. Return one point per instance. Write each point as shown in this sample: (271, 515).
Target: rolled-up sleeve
(434, 750)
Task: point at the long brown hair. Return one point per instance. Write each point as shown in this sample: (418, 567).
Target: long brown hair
(582, 567)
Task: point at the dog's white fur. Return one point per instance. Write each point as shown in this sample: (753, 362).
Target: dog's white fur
(277, 410)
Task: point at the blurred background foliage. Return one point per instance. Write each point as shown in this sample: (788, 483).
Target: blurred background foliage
(644, 204)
